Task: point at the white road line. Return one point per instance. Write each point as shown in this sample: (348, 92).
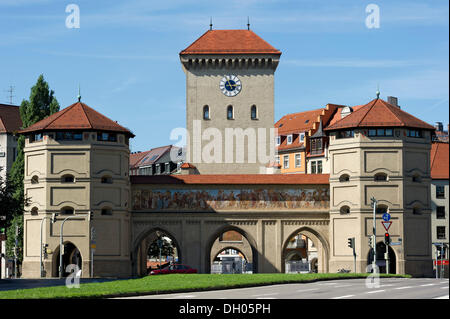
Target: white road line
(341, 297)
(329, 283)
(374, 292)
(265, 298)
(444, 287)
(426, 285)
(386, 285)
(443, 297)
(304, 290)
(403, 287)
(341, 286)
(276, 293)
(183, 296)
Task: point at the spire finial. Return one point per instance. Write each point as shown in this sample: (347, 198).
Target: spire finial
(210, 23)
(79, 93)
(378, 91)
(248, 23)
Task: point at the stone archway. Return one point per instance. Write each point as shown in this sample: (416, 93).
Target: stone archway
(141, 247)
(381, 262)
(72, 255)
(321, 259)
(247, 247)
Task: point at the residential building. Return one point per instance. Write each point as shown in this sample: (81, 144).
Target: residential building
(10, 123)
(157, 161)
(439, 159)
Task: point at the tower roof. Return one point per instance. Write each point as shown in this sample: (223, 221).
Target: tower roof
(439, 160)
(77, 116)
(9, 118)
(230, 42)
(379, 113)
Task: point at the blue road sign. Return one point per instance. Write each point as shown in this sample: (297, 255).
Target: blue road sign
(386, 217)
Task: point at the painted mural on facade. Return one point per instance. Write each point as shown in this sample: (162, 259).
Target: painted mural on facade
(230, 199)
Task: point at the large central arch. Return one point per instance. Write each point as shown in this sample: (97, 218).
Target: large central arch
(319, 241)
(141, 246)
(251, 253)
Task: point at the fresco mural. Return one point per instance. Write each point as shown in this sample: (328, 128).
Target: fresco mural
(230, 199)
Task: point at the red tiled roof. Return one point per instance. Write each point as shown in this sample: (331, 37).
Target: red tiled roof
(297, 122)
(230, 42)
(10, 120)
(77, 116)
(439, 160)
(378, 113)
(135, 158)
(235, 179)
(187, 165)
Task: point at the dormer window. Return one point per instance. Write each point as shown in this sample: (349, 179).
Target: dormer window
(289, 139)
(302, 137)
(316, 146)
(278, 140)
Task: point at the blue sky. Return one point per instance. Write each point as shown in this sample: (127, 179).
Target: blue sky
(125, 55)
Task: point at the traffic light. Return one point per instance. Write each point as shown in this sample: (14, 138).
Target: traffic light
(371, 241)
(351, 242)
(387, 239)
(91, 215)
(44, 250)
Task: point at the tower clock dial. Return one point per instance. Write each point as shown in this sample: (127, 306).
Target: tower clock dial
(230, 85)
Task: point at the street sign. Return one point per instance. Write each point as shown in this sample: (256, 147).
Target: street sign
(396, 244)
(386, 217)
(386, 225)
(93, 246)
(441, 262)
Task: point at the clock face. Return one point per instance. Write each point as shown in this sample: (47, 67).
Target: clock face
(230, 85)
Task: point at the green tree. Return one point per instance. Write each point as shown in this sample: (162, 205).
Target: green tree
(41, 104)
(166, 250)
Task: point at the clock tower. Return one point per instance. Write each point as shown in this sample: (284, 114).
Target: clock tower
(230, 102)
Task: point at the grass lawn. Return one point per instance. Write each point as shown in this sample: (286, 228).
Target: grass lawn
(170, 283)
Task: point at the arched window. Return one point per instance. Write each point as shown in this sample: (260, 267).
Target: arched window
(67, 179)
(67, 211)
(34, 211)
(106, 180)
(380, 177)
(416, 210)
(344, 178)
(106, 211)
(253, 112)
(35, 179)
(416, 178)
(345, 209)
(230, 112)
(381, 209)
(206, 113)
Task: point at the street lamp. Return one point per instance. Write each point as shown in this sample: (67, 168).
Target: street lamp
(374, 240)
(61, 247)
(52, 220)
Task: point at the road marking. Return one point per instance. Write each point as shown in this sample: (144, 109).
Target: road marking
(389, 285)
(183, 296)
(374, 292)
(443, 297)
(426, 285)
(304, 290)
(276, 293)
(341, 297)
(265, 298)
(341, 286)
(444, 287)
(403, 287)
(329, 283)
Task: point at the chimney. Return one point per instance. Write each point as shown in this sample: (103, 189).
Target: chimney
(439, 127)
(393, 101)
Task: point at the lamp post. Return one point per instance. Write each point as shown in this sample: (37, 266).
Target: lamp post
(374, 240)
(61, 247)
(52, 219)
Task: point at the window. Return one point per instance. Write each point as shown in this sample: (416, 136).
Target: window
(313, 167)
(302, 137)
(158, 169)
(277, 159)
(278, 140)
(440, 191)
(381, 132)
(34, 211)
(106, 211)
(167, 170)
(67, 211)
(440, 212)
(69, 136)
(381, 209)
(380, 177)
(414, 133)
(230, 114)
(416, 210)
(35, 179)
(316, 146)
(286, 161)
(440, 232)
(289, 139)
(179, 166)
(106, 180)
(180, 152)
(345, 210)
(106, 137)
(344, 178)
(36, 137)
(345, 134)
(67, 179)
(319, 167)
(298, 160)
(416, 179)
(253, 113)
(206, 112)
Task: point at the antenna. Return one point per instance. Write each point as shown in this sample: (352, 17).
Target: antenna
(10, 95)
(210, 23)
(248, 23)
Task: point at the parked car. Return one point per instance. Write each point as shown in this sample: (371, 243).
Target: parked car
(174, 269)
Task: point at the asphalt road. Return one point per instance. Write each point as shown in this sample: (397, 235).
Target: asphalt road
(389, 288)
(13, 284)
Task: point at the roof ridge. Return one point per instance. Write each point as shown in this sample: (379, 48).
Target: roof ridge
(84, 111)
(373, 104)
(434, 157)
(389, 107)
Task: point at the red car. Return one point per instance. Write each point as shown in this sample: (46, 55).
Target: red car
(174, 269)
